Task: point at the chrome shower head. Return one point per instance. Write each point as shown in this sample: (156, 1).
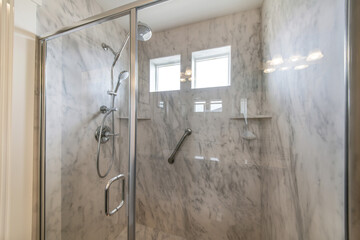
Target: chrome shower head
(107, 47)
(144, 32)
(122, 76)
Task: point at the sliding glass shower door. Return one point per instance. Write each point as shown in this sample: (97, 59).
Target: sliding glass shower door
(87, 145)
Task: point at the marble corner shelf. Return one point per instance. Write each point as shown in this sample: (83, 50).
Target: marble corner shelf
(252, 117)
(139, 118)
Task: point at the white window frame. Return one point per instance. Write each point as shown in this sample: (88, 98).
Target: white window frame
(157, 63)
(211, 54)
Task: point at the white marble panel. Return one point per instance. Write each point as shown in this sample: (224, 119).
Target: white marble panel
(303, 146)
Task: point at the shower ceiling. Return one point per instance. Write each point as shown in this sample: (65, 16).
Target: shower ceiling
(191, 11)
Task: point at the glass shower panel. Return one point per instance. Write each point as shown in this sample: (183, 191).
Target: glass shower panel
(213, 188)
(251, 145)
(81, 103)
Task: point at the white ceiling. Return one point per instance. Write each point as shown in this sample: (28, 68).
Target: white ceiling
(175, 13)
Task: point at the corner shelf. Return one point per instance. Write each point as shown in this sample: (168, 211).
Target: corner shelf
(252, 117)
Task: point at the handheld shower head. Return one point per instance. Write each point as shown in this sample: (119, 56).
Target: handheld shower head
(122, 76)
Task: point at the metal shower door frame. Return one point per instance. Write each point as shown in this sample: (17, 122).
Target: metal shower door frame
(131, 10)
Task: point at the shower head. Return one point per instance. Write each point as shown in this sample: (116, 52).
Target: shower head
(107, 47)
(122, 76)
(144, 32)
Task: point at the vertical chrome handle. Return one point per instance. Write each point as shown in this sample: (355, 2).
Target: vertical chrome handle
(107, 195)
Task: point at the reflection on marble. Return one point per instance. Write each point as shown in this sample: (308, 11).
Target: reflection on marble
(78, 78)
(303, 146)
(212, 191)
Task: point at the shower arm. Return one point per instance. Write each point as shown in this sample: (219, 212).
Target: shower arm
(117, 56)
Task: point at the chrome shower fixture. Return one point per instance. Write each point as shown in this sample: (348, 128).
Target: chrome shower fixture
(144, 32)
(107, 47)
(103, 133)
(122, 76)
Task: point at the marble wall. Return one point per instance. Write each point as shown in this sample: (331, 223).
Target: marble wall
(77, 81)
(212, 191)
(303, 146)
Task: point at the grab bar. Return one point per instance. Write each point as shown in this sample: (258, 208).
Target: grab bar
(107, 195)
(172, 157)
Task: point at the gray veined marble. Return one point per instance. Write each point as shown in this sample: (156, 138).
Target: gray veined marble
(303, 146)
(213, 189)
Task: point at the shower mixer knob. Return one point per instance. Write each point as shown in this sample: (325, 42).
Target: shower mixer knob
(104, 134)
(104, 109)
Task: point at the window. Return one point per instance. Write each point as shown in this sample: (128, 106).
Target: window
(211, 67)
(165, 74)
(208, 106)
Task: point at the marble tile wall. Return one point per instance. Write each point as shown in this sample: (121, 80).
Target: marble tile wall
(78, 77)
(212, 191)
(303, 146)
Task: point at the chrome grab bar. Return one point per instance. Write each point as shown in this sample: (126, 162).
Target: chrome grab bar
(107, 195)
(172, 157)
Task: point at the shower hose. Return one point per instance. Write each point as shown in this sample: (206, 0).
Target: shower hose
(110, 111)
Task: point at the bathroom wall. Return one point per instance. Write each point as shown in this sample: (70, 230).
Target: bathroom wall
(21, 188)
(212, 191)
(78, 78)
(303, 146)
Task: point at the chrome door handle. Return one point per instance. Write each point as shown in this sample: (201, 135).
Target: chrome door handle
(107, 195)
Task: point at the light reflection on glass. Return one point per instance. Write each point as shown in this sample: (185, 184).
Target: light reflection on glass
(301, 67)
(269, 70)
(213, 159)
(216, 106)
(296, 58)
(211, 106)
(315, 55)
(277, 60)
(284, 68)
(161, 104)
(296, 62)
(199, 106)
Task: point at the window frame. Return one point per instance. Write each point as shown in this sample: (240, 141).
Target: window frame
(211, 54)
(157, 63)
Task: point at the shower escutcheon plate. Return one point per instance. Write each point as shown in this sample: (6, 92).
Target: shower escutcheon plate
(105, 134)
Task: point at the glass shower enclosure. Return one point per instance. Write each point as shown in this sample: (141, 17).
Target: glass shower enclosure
(88, 124)
(231, 127)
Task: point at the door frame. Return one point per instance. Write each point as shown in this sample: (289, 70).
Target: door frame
(128, 9)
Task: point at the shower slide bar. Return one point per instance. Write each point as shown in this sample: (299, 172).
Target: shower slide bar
(180, 143)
